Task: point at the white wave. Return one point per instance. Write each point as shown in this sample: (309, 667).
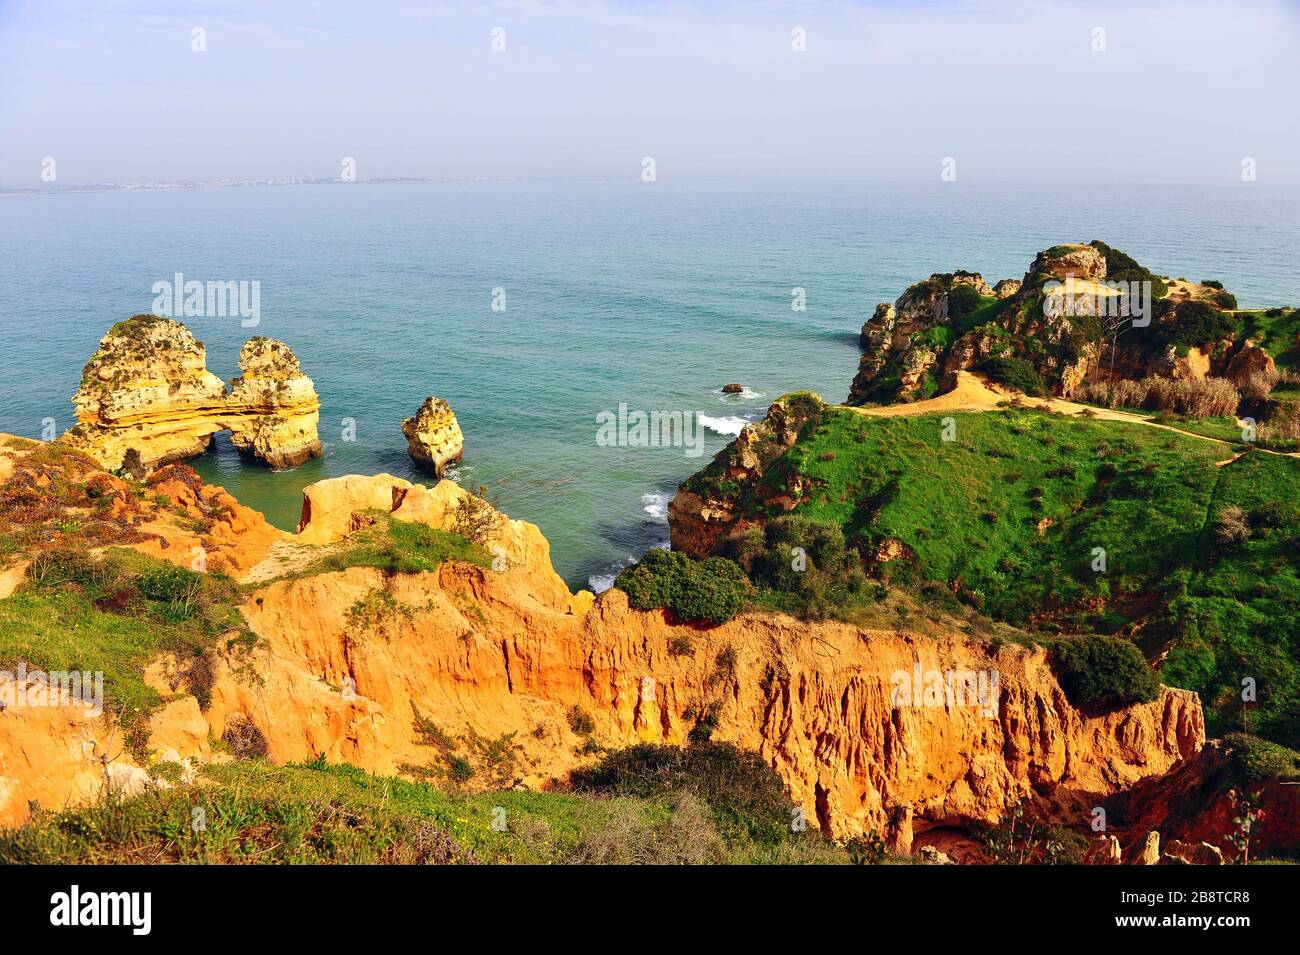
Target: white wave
(656, 505)
(730, 426)
(599, 583)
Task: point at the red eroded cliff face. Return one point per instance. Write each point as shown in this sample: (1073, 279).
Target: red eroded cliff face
(480, 654)
(358, 664)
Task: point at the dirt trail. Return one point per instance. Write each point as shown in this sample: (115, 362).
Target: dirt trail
(287, 557)
(972, 393)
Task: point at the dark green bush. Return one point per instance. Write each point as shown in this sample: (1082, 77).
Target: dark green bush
(1121, 267)
(1014, 373)
(713, 589)
(745, 795)
(1197, 324)
(1104, 673)
(805, 564)
(1257, 760)
(1224, 299)
(962, 300)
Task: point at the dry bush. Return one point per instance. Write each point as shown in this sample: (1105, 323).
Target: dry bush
(688, 838)
(1259, 385)
(1288, 378)
(244, 738)
(1198, 398)
(1194, 397)
(1232, 527)
(476, 517)
(1281, 426)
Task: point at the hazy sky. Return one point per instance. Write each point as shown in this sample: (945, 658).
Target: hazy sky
(1014, 91)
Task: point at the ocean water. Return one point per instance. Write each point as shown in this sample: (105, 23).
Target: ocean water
(652, 295)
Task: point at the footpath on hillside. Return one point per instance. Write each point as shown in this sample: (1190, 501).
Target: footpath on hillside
(973, 393)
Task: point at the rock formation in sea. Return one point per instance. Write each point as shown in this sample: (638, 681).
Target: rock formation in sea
(433, 436)
(147, 399)
(272, 410)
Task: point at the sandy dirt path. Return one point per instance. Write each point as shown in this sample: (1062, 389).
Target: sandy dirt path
(973, 393)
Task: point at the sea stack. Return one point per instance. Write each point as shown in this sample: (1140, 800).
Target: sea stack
(147, 399)
(273, 410)
(433, 436)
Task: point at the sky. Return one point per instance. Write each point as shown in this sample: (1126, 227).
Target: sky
(1179, 92)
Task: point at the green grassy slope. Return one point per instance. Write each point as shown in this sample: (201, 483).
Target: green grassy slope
(1009, 516)
(252, 812)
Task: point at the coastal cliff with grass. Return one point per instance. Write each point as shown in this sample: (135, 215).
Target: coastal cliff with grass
(405, 678)
(1089, 480)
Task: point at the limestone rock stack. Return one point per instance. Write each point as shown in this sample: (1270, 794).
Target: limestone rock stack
(147, 399)
(273, 406)
(433, 436)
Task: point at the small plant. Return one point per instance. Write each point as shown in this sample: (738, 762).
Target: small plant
(244, 738)
(1245, 823)
(866, 850)
(1016, 839)
(681, 645)
(1232, 527)
(580, 721)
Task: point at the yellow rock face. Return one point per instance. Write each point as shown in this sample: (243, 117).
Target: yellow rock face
(433, 436)
(147, 399)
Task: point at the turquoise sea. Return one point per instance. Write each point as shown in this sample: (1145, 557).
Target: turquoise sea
(649, 294)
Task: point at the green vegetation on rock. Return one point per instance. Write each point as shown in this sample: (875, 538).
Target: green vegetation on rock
(1067, 525)
(317, 813)
(712, 590)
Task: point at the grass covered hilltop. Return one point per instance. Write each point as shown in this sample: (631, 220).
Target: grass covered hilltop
(1047, 474)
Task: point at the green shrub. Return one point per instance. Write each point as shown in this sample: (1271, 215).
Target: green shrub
(1257, 760)
(712, 590)
(580, 721)
(1121, 267)
(804, 565)
(962, 300)
(1197, 324)
(1014, 373)
(1103, 673)
(745, 795)
(1224, 299)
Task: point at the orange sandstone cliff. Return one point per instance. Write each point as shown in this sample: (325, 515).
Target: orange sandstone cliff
(507, 653)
